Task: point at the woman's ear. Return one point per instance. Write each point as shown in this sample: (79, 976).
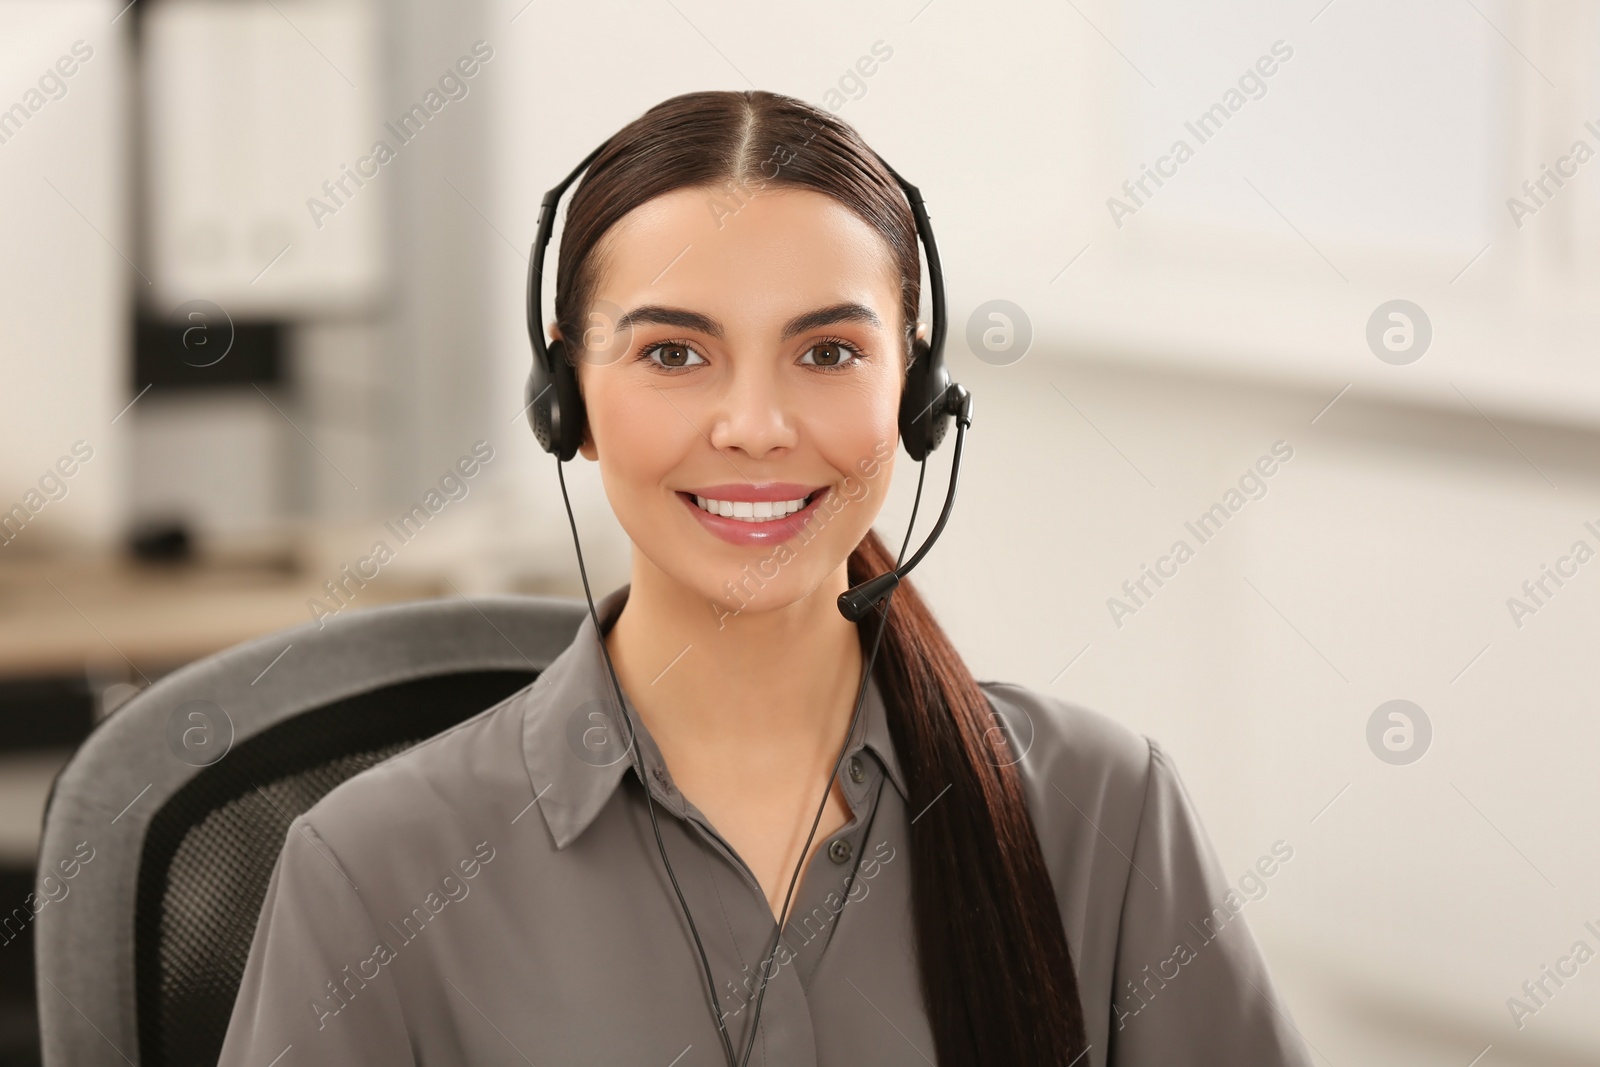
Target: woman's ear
(921, 334)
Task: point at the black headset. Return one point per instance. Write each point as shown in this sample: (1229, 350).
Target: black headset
(555, 411)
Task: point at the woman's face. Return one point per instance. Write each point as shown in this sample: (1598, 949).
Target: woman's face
(751, 357)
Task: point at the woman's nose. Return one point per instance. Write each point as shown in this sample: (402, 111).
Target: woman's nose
(752, 414)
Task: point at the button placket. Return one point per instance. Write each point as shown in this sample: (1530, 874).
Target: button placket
(736, 945)
(831, 878)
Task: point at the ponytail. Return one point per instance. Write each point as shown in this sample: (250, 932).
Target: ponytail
(997, 977)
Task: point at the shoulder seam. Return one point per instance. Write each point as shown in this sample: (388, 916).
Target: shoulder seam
(1133, 849)
(322, 845)
(326, 849)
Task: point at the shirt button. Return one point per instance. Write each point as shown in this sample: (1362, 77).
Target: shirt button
(858, 773)
(839, 851)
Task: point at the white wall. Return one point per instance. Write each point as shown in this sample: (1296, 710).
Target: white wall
(1391, 542)
(64, 284)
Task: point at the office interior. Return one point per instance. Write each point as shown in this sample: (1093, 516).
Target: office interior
(1308, 288)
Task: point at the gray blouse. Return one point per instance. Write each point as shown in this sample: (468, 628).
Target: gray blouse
(494, 896)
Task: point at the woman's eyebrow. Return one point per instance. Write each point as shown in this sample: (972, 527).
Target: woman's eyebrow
(660, 315)
(828, 316)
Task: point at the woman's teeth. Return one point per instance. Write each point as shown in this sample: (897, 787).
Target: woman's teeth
(751, 510)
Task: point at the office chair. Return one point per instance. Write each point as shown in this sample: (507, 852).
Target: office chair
(164, 829)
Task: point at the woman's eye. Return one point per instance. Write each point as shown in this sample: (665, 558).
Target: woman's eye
(830, 354)
(673, 354)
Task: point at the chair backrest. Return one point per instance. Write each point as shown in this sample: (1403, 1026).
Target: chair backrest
(162, 832)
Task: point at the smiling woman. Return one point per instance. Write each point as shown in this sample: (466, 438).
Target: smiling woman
(741, 380)
(747, 378)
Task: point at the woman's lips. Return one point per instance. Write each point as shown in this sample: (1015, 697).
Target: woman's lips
(761, 531)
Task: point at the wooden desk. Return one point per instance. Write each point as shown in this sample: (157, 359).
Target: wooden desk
(113, 616)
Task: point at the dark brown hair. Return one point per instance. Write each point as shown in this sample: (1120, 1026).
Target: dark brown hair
(997, 977)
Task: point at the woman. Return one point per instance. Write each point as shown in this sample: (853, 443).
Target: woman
(996, 877)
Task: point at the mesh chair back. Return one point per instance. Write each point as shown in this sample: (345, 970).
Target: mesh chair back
(162, 832)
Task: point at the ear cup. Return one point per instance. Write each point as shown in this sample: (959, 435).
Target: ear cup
(555, 406)
(923, 422)
(536, 405)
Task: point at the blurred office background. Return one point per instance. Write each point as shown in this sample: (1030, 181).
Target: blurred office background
(225, 363)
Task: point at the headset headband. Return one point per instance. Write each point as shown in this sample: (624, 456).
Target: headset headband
(547, 217)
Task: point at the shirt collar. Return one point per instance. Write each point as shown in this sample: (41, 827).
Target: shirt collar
(575, 746)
